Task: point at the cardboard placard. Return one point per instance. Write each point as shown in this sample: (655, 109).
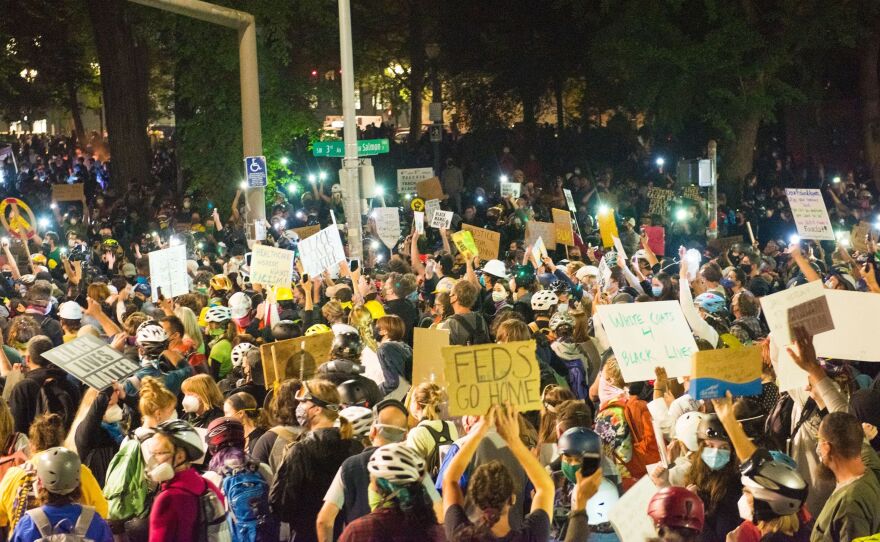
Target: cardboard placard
(322, 251)
(715, 372)
(271, 266)
(858, 236)
(607, 227)
(510, 189)
(814, 316)
(427, 365)
(656, 239)
(92, 361)
(486, 374)
(539, 251)
(543, 230)
(388, 225)
(562, 223)
(488, 242)
(419, 221)
(431, 207)
(464, 242)
(430, 189)
(441, 219)
(306, 231)
(691, 192)
(810, 214)
(68, 192)
(658, 199)
(407, 179)
(168, 272)
(629, 516)
(648, 335)
(724, 243)
(569, 200)
(294, 358)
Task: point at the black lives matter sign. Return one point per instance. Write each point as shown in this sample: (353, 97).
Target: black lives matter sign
(93, 361)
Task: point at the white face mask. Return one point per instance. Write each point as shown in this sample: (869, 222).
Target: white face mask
(498, 296)
(190, 403)
(562, 307)
(745, 511)
(113, 414)
(161, 473)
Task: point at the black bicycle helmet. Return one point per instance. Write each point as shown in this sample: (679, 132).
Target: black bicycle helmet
(351, 393)
(347, 345)
(184, 436)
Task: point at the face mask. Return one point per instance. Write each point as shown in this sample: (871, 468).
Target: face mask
(482, 280)
(113, 414)
(570, 471)
(715, 458)
(727, 283)
(657, 290)
(562, 307)
(608, 391)
(746, 268)
(302, 414)
(161, 473)
(414, 297)
(190, 403)
(377, 335)
(745, 511)
(498, 297)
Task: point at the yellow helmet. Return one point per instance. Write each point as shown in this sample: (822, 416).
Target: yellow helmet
(220, 283)
(283, 294)
(317, 329)
(39, 259)
(376, 309)
(202, 321)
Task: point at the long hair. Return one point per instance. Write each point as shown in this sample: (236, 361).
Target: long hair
(361, 319)
(154, 396)
(712, 485)
(7, 425)
(190, 326)
(245, 402)
(551, 398)
(282, 409)
(490, 489)
(205, 388)
(429, 397)
(581, 331)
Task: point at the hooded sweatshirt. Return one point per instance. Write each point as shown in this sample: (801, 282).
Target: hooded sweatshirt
(395, 358)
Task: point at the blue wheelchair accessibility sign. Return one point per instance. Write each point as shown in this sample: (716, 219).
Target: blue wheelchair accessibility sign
(255, 169)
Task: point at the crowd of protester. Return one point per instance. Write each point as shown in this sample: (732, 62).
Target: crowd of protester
(198, 445)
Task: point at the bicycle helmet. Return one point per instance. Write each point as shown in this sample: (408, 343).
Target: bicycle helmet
(587, 271)
(59, 470)
(580, 442)
(559, 287)
(239, 352)
(686, 427)
(225, 432)
(110, 244)
(677, 507)
(710, 302)
(397, 463)
(523, 275)
(39, 259)
(151, 336)
(240, 304)
(561, 319)
(220, 283)
(184, 436)
(351, 393)
(777, 490)
(544, 300)
(218, 315)
(710, 428)
(347, 345)
(361, 419)
(285, 329)
(316, 329)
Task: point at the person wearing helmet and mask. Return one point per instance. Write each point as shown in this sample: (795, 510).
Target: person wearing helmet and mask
(544, 302)
(685, 433)
(345, 354)
(238, 355)
(222, 332)
(678, 515)
(580, 459)
(176, 511)
(241, 309)
(220, 286)
(571, 353)
(152, 342)
(58, 473)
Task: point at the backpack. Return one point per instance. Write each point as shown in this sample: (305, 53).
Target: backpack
(443, 437)
(56, 399)
(126, 488)
(777, 426)
(48, 532)
(475, 336)
(11, 457)
(276, 454)
(247, 499)
(212, 523)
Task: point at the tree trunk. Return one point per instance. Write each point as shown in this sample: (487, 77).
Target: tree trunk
(869, 88)
(76, 113)
(738, 156)
(418, 70)
(125, 85)
(560, 109)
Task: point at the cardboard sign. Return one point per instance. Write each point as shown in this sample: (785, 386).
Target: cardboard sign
(810, 214)
(431, 207)
(510, 189)
(306, 231)
(539, 251)
(648, 335)
(419, 221)
(569, 200)
(295, 358)
(407, 179)
(92, 361)
(427, 365)
(629, 516)
(430, 189)
(488, 242)
(691, 192)
(322, 251)
(562, 223)
(814, 316)
(543, 230)
(486, 374)
(168, 272)
(658, 199)
(441, 219)
(607, 227)
(464, 242)
(715, 372)
(656, 239)
(68, 192)
(858, 236)
(388, 225)
(271, 266)
(724, 243)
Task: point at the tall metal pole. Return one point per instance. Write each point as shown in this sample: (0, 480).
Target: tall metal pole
(436, 97)
(349, 172)
(712, 210)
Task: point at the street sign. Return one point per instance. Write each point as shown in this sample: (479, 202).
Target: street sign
(255, 169)
(336, 149)
(436, 131)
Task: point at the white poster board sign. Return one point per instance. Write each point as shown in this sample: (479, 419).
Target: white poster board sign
(408, 178)
(92, 361)
(431, 207)
(271, 266)
(388, 225)
(322, 251)
(629, 517)
(510, 189)
(855, 328)
(569, 199)
(168, 272)
(419, 220)
(810, 214)
(441, 219)
(648, 335)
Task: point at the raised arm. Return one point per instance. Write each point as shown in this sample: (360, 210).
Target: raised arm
(743, 446)
(507, 423)
(803, 264)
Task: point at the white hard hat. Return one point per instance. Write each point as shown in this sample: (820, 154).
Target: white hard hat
(587, 271)
(70, 310)
(495, 268)
(239, 304)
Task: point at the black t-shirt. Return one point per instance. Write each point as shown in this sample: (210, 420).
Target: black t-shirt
(535, 527)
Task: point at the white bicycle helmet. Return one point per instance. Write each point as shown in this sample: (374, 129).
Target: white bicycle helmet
(218, 314)
(239, 352)
(587, 271)
(397, 463)
(361, 419)
(184, 435)
(686, 429)
(544, 300)
(561, 319)
(240, 304)
(151, 333)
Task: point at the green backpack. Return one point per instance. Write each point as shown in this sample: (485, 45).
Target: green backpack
(126, 487)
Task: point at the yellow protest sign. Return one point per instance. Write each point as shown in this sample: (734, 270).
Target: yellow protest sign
(294, 358)
(271, 266)
(544, 230)
(607, 227)
(485, 374)
(562, 222)
(17, 226)
(427, 365)
(715, 372)
(487, 241)
(464, 242)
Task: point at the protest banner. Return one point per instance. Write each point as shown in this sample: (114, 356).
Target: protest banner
(859, 236)
(388, 225)
(539, 251)
(562, 224)
(854, 334)
(656, 239)
(543, 230)
(419, 221)
(629, 515)
(294, 358)
(168, 272)
(441, 219)
(810, 214)
(431, 207)
(648, 335)
(69, 192)
(407, 179)
(691, 192)
(486, 374)
(715, 372)
(569, 200)
(430, 189)
(658, 199)
(306, 231)
(427, 365)
(813, 315)
(607, 227)
(510, 189)
(322, 251)
(488, 242)
(92, 361)
(464, 242)
(271, 266)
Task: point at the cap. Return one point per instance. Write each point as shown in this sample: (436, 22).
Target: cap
(70, 310)
(129, 270)
(143, 289)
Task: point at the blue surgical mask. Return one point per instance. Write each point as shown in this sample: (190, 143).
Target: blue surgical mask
(656, 290)
(414, 296)
(715, 458)
(727, 283)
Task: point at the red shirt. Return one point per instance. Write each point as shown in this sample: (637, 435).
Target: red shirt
(175, 511)
(389, 525)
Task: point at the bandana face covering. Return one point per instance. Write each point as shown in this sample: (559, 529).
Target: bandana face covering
(608, 391)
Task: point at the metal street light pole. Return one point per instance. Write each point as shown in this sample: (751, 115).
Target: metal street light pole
(348, 175)
(712, 211)
(432, 51)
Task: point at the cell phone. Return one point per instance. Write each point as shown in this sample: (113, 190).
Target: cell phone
(353, 265)
(305, 277)
(589, 465)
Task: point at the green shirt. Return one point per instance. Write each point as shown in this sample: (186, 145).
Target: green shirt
(221, 353)
(851, 511)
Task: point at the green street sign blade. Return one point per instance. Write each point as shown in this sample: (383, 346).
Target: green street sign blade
(336, 149)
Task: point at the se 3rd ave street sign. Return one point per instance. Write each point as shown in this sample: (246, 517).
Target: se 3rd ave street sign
(336, 149)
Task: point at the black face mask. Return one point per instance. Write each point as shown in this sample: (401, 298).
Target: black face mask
(746, 268)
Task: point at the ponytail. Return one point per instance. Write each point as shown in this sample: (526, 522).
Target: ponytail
(346, 431)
